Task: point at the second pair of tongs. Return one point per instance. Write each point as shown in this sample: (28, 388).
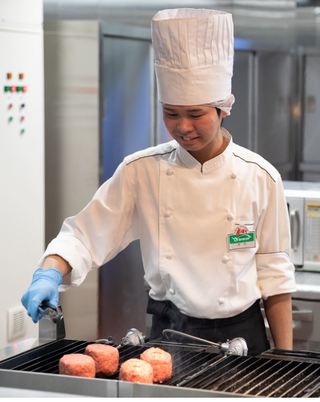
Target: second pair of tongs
(236, 346)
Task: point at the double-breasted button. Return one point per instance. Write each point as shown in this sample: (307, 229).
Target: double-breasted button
(230, 217)
(170, 172)
(221, 301)
(167, 214)
(233, 176)
(169, 257)
(225, 259)
(171, 291)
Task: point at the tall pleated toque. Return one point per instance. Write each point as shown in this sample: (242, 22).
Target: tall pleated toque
(193, 52)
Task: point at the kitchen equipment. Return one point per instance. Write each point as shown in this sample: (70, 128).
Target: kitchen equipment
(198, 371)
(303, 200)
(55, 314)
(133, 337)
(236, 346)
(51, 325)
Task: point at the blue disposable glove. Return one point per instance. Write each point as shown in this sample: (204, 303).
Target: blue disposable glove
(44, 287)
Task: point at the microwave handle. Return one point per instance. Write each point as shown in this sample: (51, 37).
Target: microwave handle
(295, 225)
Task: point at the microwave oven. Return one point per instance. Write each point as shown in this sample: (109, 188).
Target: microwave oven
(303, 201)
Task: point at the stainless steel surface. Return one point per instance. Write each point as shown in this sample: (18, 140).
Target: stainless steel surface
(236, 346)
(65, 384)
(6, 392)
(310, 157)
(306, 317)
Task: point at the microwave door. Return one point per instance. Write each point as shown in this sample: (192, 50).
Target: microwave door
(296, 214)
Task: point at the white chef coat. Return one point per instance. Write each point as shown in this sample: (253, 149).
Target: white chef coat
(182, 213)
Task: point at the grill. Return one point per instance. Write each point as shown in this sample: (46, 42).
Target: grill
(197, 371)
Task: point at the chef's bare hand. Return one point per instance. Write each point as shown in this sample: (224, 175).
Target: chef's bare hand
(44, 287)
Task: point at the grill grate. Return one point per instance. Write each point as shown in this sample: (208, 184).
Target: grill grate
(265, 376)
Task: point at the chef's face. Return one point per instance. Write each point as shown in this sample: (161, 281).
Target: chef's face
(196, 129)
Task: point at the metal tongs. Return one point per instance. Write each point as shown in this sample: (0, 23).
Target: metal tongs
(236, 346)
(134, 337)
(55, 314)
(51, 324)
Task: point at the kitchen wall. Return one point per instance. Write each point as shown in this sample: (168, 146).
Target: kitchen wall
(72, 148)
(21, 163)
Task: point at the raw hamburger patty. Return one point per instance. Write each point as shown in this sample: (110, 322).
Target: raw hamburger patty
(136, 370)
(161, 363)
(77, 364)
(105, 356)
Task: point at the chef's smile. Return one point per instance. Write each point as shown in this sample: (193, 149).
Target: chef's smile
(196, 128)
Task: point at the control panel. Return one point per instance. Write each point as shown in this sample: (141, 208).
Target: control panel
(15, 100)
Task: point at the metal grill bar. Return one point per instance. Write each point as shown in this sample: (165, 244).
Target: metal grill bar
(37, 360)
(197, 368)
(310, 387)
(272, 385)
(251, 373)
(314, 391)
(264, 375)
(302, 380)
(214, 372)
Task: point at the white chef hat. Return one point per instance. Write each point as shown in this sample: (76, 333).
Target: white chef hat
(193, 52)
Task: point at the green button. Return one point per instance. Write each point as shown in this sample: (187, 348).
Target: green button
(19, 89)
(7, 88)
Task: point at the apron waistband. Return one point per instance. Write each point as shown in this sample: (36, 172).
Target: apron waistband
(169, 310)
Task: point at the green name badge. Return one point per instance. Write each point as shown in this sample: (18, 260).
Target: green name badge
(243, 240)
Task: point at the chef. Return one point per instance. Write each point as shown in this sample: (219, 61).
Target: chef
(210, 215)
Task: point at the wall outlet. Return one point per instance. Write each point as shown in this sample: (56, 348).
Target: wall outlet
(16, 322)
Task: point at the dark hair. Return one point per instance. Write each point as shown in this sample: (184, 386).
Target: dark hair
(219, 114)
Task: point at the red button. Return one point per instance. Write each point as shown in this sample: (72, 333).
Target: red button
(13, 88)
(24, 89)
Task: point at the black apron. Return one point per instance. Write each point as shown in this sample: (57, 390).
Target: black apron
(249, 325)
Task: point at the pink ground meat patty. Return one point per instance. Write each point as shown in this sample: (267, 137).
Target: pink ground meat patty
(136, 370)
(161, 363)
(77, 364)
(105, 356)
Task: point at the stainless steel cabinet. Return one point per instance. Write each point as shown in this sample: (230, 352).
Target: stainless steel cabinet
(127, 126)
(264, 85)
(310, 164)
(240, 123)
(275, 137)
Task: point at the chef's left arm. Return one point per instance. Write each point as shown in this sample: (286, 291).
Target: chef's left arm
(274, 268)
(279, 315)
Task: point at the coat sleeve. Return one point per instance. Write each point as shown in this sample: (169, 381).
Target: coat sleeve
(274, 268)
(100, 231)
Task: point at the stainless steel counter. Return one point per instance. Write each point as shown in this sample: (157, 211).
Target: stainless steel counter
(28, 393)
